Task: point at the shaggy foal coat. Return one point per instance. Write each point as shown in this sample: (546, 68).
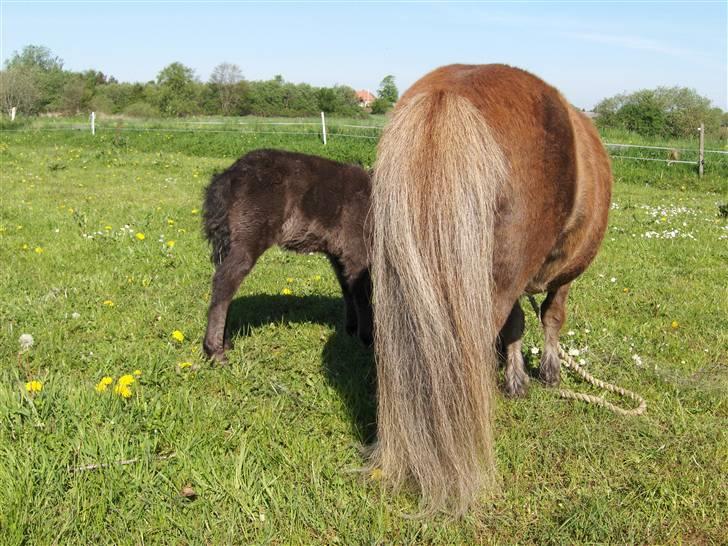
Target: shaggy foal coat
(300, 202)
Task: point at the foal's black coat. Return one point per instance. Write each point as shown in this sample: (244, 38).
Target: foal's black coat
(300, 202)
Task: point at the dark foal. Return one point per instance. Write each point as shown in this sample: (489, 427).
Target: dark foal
(300, 202)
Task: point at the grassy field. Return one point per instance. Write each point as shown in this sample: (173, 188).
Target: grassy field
(103, 264)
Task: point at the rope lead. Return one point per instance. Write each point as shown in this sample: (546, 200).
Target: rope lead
(570, 363)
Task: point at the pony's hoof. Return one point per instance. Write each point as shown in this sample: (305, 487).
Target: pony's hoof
(549, 370)
(516, 386)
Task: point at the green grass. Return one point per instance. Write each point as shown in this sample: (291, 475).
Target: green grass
(269, 443)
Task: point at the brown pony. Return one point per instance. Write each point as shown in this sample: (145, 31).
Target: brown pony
(301, 202)
(488, 185)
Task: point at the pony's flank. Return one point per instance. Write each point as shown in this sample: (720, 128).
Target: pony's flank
(439, 172)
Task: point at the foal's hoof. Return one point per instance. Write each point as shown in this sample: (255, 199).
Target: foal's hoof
(366, 339)
(216, 356)
(549, 371)
(351, 329)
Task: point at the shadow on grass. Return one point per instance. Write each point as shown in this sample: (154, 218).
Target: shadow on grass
(349, 368)
(250, 312)
(347, 365)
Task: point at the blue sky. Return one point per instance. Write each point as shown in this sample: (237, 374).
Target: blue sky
(588, 50)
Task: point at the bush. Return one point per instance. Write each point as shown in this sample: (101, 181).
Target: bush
(381, 106)
(665, 111)
(102, 104)
(141, 110)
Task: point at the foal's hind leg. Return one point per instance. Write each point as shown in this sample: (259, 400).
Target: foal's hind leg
(228, 276)
(553, 316)
(351, 322)
(516, 379)
(361, 290)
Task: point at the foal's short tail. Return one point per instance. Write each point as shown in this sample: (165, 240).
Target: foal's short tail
(218, 197)
(439, 171)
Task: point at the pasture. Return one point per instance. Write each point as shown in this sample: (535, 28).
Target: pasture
(104, 265)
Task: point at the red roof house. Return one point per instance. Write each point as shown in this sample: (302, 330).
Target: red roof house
(365, 98)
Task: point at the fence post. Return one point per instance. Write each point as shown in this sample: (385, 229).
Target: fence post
(12, 113)
(701, 151)
(323, 127)
(93, 123)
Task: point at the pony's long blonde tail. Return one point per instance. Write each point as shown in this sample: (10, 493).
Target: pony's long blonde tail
(438, 174)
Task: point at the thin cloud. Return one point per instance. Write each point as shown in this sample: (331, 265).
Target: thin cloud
(634, 42)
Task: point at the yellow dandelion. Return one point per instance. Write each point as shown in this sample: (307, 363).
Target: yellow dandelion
(675, 325)
(178, 336)
(194, 211)
(289, 280)
(137, 373)
(625, 290)
(183, 365)
(25, 246)
(170, 222)
(38, 250)
(170, 244)
(317, 277)
(102, 385)
(286, 291)
(107, 228)
(126, 380)
(122, 390)
(140, 236)
(34, 386)
(108, 303)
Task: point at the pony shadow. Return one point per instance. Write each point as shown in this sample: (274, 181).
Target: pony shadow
(347, 365)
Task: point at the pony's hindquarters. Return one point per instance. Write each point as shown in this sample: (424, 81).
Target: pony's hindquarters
(438, 174)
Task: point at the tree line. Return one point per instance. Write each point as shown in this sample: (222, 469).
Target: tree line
(664, 111)
(34, 81)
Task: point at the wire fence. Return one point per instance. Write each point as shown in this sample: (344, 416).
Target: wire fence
(323, 130)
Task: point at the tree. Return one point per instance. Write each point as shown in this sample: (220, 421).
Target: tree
(668, 111)
(18, 89)
(224, 80)
(45, 70)
(75, 96)
(388, 90)
(177, 90)
(35, 57)
(340, 99)
(380, 106)
(326, 99)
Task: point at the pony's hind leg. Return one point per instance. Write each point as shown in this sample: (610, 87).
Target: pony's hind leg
(225, 282)
(553, 316)
(516, 379)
